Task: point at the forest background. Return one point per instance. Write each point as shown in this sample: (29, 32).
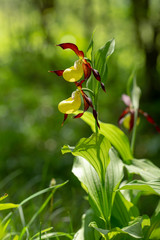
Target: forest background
(31, 135)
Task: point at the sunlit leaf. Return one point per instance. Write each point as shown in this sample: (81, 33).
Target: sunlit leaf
(123, 210)
(145, 168)
(114, 175)
(116, 137)
(151, 187)
(42, 231)
(100, 60)
(87, 175)
(154, 230)
(95, 150)
(5, 206)
(90, 49)
(4, 196)
(145, 224)
(86, 232)
(134, 230)
(16, 237)
(55, 235)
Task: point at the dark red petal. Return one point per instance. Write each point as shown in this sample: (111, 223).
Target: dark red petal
(72, 47)
(86, 105)
(87, 71)
(79, 115)
(87, 99)
(131, 123)
(58, 72)
(87, 63)
(95, 116)
(126, 111)
(96, 74)
(150, 119)
(79, 84)
(65, 117)
(103, 87)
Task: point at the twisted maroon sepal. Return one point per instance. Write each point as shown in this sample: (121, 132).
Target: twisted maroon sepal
(72, 47)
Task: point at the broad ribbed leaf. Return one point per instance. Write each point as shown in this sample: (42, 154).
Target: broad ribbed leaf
(95, 150)
(123, 210)
(90, 49)
(116, 137)
(145, 168)
(154, 230)
(100, 60)
(90, 180)
(134, 230)
(151, 187)
(114, 175)
(101, 56)
(86, 232)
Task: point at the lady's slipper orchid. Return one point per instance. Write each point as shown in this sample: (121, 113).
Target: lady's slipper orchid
(72, 104)
(74, 73)
(127, 116)
(81, 66)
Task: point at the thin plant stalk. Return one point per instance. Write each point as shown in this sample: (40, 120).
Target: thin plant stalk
(36, 214)
(134, 131)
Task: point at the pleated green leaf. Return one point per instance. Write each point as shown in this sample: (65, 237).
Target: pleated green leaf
(116, 137)
(95, 150)
(86, 232)
(114, 175)
(101, 56)
(145, 168)
(90, 180)
(154, 230)
(151, 187)
(123, 210)
(134, 230)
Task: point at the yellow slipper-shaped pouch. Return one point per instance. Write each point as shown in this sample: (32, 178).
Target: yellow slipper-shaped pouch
(74, 73)
(127, 119)
(71, 104)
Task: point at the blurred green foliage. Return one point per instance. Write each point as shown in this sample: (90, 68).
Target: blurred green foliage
(31, 135)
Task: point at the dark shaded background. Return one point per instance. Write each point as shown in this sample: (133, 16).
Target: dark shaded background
(31, 135)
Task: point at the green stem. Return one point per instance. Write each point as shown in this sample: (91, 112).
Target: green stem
(95, 105)
(88, 90)
(134, 131)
